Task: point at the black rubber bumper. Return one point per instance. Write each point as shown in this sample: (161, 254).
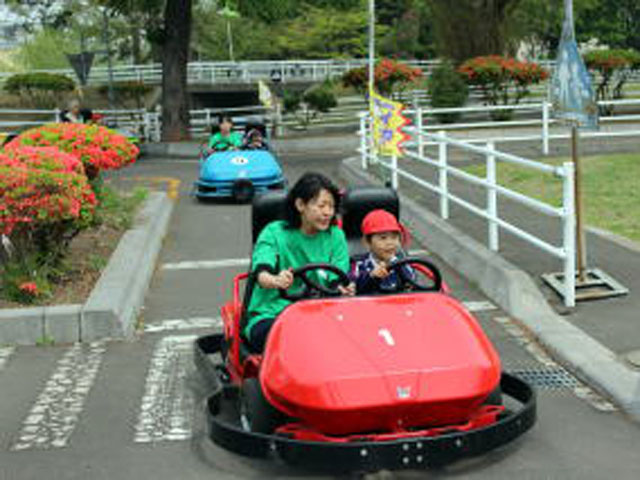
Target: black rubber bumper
(410, 453)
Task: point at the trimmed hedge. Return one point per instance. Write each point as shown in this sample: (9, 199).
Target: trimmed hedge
(22, 83)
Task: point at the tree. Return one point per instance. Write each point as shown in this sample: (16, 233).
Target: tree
(173, 38)
(469, 28)
(175, 100)
(275, 10)
(325, 33)
(614, 22)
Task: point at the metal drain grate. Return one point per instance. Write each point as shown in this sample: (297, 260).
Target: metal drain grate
(549, 378)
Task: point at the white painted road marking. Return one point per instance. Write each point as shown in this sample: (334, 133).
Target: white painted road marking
(480, 306)
(167, 405)
(207, 264)
(5, 353)
(54, 416)
(183, 324)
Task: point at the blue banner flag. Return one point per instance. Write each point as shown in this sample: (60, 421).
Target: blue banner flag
(571, 94)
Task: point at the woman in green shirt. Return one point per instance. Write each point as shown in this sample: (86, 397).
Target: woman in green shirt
(225, 139)
(308, 235)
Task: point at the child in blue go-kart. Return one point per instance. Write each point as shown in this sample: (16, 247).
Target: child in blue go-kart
(225, 139)
(308, 235)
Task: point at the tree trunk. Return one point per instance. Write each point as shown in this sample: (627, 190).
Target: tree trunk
(175, 99)
(468, 28)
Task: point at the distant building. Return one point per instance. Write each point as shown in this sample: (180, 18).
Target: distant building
(10, 27)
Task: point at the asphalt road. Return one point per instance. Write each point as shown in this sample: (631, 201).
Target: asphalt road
(137, 407)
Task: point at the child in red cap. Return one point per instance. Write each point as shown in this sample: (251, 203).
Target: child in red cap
(383, 236)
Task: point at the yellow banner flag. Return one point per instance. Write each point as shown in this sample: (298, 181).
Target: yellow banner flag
(264, 94)
(388, 122)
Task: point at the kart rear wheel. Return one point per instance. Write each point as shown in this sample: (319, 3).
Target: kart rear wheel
(242, 191)
(256, 413)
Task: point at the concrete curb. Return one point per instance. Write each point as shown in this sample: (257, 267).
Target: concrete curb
(515, 291)
(112, 307)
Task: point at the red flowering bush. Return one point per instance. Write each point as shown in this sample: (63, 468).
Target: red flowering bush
(45, 201)
(389, 76)
(614, 68)
(97, 147)
(40, 187)
(502, 80)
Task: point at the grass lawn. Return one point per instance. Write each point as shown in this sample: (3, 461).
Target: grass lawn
(610, 186)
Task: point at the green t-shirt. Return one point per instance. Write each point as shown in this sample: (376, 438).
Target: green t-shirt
(279, 248)
(218, 141)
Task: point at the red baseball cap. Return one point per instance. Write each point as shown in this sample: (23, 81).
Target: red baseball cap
(378, 221)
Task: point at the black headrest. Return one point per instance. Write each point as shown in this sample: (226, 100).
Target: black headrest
(358, 201)
(266, 208)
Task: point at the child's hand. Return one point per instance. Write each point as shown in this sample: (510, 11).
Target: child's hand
(349, 290)
(380, 271)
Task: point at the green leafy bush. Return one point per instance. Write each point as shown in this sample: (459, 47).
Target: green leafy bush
(129, 90)
(447, 89)
(40, 89)
(320, 98)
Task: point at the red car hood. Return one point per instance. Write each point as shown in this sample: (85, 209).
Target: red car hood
(366, 363)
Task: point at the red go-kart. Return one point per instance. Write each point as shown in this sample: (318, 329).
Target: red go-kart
(393, 381)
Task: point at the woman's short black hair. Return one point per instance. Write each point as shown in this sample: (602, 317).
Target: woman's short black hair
(224, 117)
(307, 188)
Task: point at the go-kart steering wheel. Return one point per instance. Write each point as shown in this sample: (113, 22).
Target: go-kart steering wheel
(220, 147)
(426, 268)
(311, 287)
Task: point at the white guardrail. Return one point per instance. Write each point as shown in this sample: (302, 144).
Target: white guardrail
(539, 117)
(202, 73)
(566, 213)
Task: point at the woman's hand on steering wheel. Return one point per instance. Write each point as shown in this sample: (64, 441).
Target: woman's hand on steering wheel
(282, 280)
(313, 289)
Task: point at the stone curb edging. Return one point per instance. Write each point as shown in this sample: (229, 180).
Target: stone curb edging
(515, 291)
(113, 305)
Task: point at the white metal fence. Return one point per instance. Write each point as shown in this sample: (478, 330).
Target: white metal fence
(135, 121)
(533, 116)
(565, 251)
(203, 73)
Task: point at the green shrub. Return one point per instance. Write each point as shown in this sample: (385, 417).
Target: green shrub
(291, 101)
(129, 90)
(40, 89)
(447, 89)
(320, 98)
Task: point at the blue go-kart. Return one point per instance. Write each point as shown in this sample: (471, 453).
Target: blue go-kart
(239, 174)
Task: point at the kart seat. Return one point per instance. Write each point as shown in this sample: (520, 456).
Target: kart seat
(266, 208)
(357, 202)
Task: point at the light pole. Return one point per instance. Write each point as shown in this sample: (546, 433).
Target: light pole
(107, 46)
(227, 13)
(372, 49)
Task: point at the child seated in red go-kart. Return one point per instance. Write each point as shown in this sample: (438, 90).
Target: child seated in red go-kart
(309, 235)
(383, 237)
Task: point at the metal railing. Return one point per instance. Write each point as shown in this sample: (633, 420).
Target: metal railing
(539, 117)
(204, 73)
(493, 190)
(134, 121)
